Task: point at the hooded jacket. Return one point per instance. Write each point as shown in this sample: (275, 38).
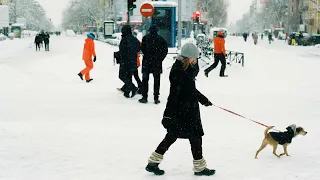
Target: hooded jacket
(154, 49)
(88, 49)
(284, 137)
(219, 44)
(128, 49)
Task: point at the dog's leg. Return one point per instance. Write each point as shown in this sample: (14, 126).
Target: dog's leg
(263, 145)
(275, 149)
(285, 150)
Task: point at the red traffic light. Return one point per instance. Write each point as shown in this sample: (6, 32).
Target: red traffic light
(196, 15)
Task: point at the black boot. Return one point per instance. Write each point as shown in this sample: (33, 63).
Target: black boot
(134, 92)
(143, 100)
(153, 168)
(205, 172)
(89, 80)
(80, 75)
(156, 100)
(126, 94)
(206, 73)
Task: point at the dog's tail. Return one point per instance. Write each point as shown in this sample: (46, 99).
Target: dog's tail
(266, 131)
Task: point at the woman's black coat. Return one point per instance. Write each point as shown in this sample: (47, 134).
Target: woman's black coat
(183, 103)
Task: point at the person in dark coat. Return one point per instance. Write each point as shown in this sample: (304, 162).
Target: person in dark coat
(128, 49)
(46, 41)
(182, 114)
(154, 49)
(37, 41)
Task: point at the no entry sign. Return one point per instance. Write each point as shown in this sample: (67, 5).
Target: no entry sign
(147, 10)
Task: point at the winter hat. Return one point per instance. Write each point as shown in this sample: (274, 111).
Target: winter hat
(126, 30)
(190, 50)
(91, 35)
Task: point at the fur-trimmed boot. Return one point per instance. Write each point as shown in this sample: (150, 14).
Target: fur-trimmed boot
(200, 168)
(153, 163)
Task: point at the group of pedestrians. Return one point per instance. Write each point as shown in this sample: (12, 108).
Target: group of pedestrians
(181, 116)
(42, 38)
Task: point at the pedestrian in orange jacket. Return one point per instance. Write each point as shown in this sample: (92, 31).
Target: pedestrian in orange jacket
(88, 52)
(219, 55)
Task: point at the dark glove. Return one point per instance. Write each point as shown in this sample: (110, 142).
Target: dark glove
(167, 122)
(94, 59)
(208, 103)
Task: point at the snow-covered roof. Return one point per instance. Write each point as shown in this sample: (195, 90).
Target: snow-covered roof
(162, 3)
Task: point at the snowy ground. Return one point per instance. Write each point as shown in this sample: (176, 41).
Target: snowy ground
(55, 127)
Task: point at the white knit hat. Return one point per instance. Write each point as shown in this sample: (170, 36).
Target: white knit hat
(190, 50)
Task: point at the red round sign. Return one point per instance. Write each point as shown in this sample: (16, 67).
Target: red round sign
(146, 10)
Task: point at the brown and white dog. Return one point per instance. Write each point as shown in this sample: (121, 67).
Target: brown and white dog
(282, 138)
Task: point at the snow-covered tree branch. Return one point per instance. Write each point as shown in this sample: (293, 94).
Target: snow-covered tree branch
(82, 12)
(216, 11)
(33, 12)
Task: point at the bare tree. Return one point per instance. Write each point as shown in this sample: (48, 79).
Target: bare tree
(216, 11)
(33, 12)
(81, 12)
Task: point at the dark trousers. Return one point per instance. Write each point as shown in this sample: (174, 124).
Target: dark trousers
(37, 46)
(46, 46)
(217, 58)
(128, 85)
(156, 85)
(137, 78)
(196, 146)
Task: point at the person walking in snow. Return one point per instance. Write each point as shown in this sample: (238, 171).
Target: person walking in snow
(255, 38)
(37, 41)
(181, 117)
(88, 52)
(128, 49)
(270, 37)
(154, 49)
(219, 55)
(46, 41)
(136, 73)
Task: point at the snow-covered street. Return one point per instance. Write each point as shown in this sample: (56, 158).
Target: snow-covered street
(55, 127)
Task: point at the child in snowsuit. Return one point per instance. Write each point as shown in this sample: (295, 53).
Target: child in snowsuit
(88, 52)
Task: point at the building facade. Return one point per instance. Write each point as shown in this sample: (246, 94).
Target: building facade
(314, 15)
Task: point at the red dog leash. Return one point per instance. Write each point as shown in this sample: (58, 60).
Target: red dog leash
(243, 117)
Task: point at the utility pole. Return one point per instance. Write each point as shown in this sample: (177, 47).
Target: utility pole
(179, 24)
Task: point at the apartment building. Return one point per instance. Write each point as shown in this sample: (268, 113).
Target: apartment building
(314, 17)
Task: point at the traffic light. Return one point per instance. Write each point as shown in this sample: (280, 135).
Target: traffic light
(196, 16)
(131, 5)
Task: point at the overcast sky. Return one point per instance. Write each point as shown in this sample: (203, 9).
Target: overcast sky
(54, 9)
(237, 8)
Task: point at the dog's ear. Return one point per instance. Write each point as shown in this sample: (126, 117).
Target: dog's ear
(299, 129)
